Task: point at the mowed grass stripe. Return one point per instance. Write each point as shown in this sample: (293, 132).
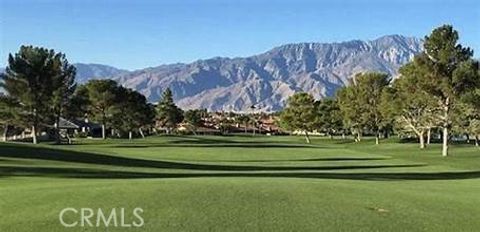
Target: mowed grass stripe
(223, 184)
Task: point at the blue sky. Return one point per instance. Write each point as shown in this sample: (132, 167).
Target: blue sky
(136, 34)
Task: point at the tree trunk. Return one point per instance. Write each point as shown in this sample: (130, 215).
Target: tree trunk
(422, 141)
(34, 134)
(476, 140)
(429, 135)
(307, 138)
(446, 109)
(103, 131)
(445, 142)
(377, 138)
(343, 135)
(34, 127)
(359, 136)
(468, 138)
(57, 130)
(5, 133)
(246, 125)
(104, 120)
(130, 135)
(141, 133)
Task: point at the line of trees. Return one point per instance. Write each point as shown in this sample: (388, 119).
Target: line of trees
(439, 91)
(39, 83)
(120, 109)
(40, 90)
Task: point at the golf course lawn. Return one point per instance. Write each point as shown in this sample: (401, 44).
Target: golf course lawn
(242, 183)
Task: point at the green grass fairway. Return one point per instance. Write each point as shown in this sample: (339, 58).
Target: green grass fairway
(241, 183)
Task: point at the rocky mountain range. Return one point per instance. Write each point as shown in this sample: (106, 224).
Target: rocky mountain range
(265, 80)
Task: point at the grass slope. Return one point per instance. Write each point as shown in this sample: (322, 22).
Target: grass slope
(240, 183)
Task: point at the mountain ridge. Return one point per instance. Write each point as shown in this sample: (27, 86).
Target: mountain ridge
(88, 71)
(266, 79)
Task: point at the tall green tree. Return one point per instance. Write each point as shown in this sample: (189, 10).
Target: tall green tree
(168, 114)
(31, 78)
(466, 121)
(360, 102)
(411, 107)
(351, 110)
(64, 86)
(329, 118)
(300, 113)
(102, 96)
(451, 73)
(133, 112)
(371, 86)
(10, 110)
(148, 118)
(194, 119)
(471, 112)
(79, 105)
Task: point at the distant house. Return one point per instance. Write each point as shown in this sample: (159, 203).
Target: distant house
(269, 126)
(71, 127)
(64, 124)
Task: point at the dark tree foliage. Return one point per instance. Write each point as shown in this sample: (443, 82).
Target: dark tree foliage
(63, 89)
(132, 112)
(329, 119)
(300, 113)
(451, 73)
(102, 96)
(10, 110)
(168, 114)
(194, 119)
(360, 103)
(41, 81)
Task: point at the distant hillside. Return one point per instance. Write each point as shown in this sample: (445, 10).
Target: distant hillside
(265, 80)
(268, 79)
(86, 72)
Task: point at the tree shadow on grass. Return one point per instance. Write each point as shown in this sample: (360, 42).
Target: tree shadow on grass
(191, 140)
(9, 171)
(226, 145)
(207, 140)
(303, 160)
(41, 153)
